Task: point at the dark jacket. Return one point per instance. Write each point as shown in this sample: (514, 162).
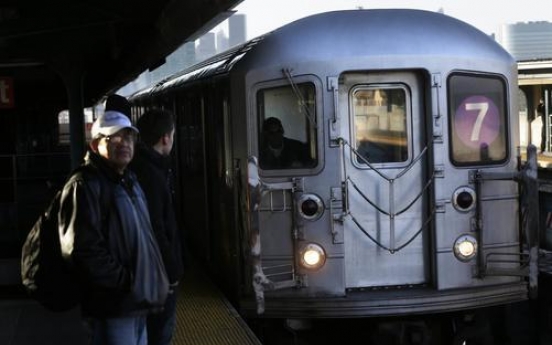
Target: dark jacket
(154, 174)
(293, 154)
(112, 246)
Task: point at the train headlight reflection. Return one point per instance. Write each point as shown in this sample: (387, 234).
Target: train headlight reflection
(465, 247)
(310, 206)
(463, 199)
(312, 256)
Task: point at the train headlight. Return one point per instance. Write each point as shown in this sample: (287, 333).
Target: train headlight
(310, 206)
(465, 247)
(463, 199)
(312, 256)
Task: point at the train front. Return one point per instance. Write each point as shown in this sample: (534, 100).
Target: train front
(383, 172)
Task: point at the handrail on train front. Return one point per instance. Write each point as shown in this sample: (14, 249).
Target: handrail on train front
(261, 280)
(391, 213)
(527, 179)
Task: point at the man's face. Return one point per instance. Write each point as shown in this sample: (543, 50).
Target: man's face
(118, 148)
(168, 142)
(274, 136)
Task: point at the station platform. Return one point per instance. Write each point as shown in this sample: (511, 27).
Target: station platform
(204, 317)
(544, 160)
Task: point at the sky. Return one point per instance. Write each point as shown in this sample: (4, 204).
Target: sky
(487, 15)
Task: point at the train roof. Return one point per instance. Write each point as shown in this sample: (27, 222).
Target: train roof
(219, 64)
(352, 34)
(378, 33)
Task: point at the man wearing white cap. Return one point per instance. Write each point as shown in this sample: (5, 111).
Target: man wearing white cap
(113, 138)
(108, 238)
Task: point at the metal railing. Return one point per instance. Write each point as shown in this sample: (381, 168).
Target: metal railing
(28, 182)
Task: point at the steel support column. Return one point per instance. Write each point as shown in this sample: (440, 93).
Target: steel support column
(72, 73)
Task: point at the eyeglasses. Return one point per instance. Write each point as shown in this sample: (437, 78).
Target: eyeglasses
(117, 138)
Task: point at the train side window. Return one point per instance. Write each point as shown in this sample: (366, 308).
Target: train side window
(63, 125)
(287, 127)
(380, 124)
(477, 119)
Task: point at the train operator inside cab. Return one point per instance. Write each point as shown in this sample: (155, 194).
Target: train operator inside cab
(278, 151)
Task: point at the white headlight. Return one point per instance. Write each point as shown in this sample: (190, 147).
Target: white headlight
(465, 247)
(312, 256)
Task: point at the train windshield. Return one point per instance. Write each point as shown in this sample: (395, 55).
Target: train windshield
(380, 124)
(287, 133)
(477, 119)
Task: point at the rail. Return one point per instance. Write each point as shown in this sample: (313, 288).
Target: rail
(527, 261)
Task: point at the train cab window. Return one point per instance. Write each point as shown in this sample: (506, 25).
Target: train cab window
(287, 127)
(380, 124)
(477, 119)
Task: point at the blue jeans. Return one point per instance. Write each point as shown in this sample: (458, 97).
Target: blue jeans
(130, 330)
(161, 325)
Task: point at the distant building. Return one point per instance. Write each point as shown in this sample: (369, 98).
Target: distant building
(181, 58)
(222, 42)
(527, 41)
(237, 30)
(206, 47)
(189, 54)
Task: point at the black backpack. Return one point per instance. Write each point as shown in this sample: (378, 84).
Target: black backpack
(45, 274)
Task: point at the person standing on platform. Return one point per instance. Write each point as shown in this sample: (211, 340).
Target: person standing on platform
(109, 240)
(152, 165)
(540, 112)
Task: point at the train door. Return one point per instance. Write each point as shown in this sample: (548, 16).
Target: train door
(193, 196)
(386, 179)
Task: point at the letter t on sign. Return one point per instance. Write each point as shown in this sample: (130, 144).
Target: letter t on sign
(6, 93)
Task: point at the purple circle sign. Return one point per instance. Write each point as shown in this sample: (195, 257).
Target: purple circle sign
(476, 121)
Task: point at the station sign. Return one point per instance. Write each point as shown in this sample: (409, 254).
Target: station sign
(6, 93)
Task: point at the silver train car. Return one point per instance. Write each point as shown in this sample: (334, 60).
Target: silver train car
(397, 188)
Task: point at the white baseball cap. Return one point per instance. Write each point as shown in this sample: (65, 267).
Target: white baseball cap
(110, 123)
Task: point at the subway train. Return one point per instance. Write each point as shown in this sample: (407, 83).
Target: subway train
(356, 164)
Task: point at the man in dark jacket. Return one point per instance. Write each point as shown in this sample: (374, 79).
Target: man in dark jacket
(280, 152)
(153, 168)
(112, 247)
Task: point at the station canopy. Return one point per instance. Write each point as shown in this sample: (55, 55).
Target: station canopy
(102, 44)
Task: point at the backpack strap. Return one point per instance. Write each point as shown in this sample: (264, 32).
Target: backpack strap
(105, 191)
